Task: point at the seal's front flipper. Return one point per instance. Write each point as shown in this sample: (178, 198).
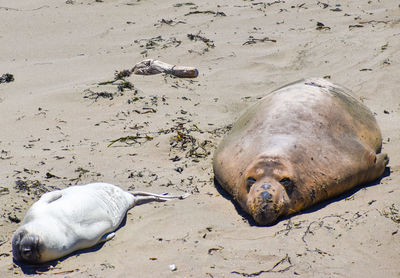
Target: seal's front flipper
(51, 196)
(107, 237)
(381, 161)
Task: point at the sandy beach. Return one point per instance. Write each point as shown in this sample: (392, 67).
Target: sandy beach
(67, 118)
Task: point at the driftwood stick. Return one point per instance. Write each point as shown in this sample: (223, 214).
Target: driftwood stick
(150, 66)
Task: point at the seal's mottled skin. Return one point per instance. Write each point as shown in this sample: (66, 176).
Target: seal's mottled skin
(303, 143)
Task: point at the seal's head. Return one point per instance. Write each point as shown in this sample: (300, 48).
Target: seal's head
(266, 189)
(26, 246)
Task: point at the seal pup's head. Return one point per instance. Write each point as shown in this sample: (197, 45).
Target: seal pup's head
(266, 189)
(26, 247)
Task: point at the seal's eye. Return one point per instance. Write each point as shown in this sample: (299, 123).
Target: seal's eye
(27, 252)
(288, 184)
(249, 183)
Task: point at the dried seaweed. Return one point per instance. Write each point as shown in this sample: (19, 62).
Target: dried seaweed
(134, 138)
(286, 259)
(321, 26)
(206, 12)
(177, 5)
(4, 190)
(4, 155)
(120, 75)
(220, 131)
(355, 26)
(211, 251)
(169, 22)
(289, 226)
(109, 82)
(119, 81)
(146, 110)
(323, 222)
(51, 175)
(35, 187)
(253, 40)
(14, 218)
(27, 10)
(324, 5)
(125, 85)
(392, 213)
(198, 37)
(81, 172)
(6, 78)
(96, 95)
(158, 41)
(192, 147)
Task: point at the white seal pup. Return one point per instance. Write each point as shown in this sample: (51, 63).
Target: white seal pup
(77, 217)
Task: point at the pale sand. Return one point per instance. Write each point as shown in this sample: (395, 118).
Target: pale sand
(56, 51)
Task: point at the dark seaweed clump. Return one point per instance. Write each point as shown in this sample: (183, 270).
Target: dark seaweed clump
(6, 78)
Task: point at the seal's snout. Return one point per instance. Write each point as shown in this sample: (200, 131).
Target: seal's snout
(25, 247)
(266, 213)
(266, 196)
(264, 202)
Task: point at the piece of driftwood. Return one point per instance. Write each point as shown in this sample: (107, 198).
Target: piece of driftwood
(150, 66)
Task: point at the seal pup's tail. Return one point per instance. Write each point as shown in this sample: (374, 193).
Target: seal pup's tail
(142, 197)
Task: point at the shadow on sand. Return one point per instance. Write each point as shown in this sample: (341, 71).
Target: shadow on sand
(312, 209)
(33, 269)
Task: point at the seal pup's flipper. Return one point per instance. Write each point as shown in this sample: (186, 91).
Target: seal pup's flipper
(143, 193)
(142, 197)
(51, 196)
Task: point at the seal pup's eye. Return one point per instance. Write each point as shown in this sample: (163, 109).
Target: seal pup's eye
(288, 184)
(249, 183)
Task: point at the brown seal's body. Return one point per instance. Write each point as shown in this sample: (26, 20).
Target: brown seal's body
(301, 144)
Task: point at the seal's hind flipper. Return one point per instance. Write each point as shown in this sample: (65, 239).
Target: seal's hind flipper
(140, 200)
(166, 197)
(150, 197)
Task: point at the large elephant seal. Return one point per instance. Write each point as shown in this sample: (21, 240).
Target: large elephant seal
(77, 217)
(301, 144)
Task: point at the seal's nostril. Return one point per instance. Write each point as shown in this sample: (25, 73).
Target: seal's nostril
(266, 196)
(265, 186)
